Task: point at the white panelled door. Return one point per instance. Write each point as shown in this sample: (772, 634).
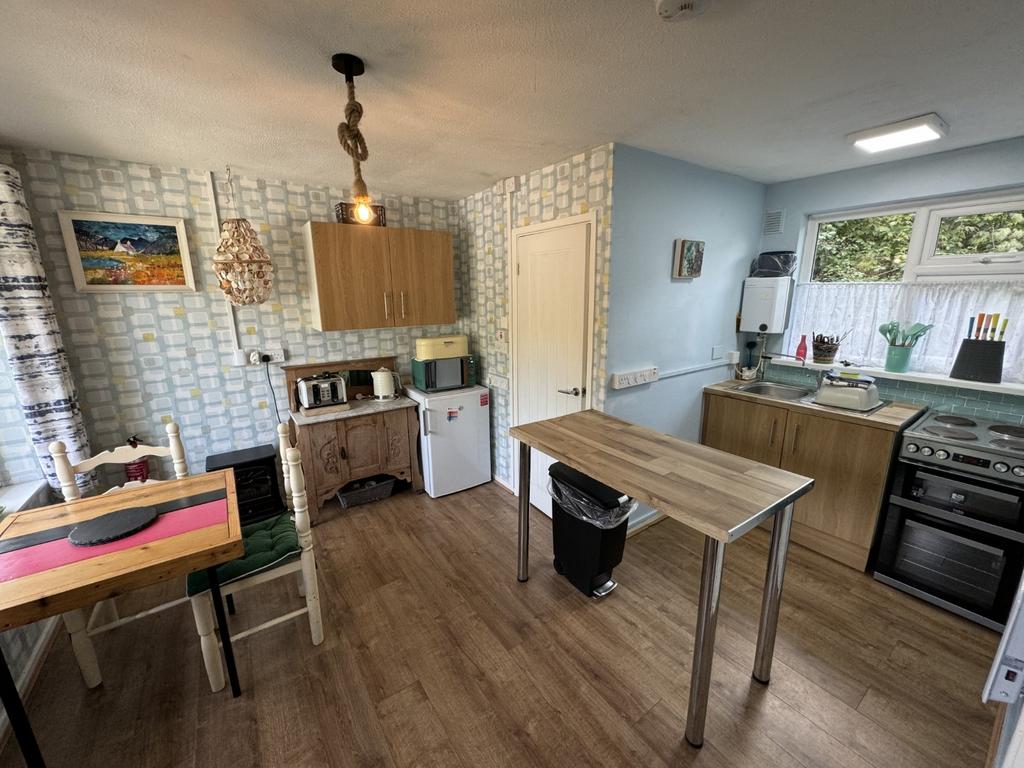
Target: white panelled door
(552, 330)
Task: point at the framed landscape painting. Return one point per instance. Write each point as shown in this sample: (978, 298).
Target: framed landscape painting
(120, 252)
(687, 259)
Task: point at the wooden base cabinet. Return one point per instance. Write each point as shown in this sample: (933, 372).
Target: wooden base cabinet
(848, 461)
(355, 447)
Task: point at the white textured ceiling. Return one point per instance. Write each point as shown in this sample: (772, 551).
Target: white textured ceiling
(459, 93)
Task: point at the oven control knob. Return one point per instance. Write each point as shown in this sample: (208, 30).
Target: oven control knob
(926, 451)
(912, 448)
(1018, 471)
(999, 466)
(941, 454)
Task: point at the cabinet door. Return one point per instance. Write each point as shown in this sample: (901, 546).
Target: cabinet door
(396, 440)
(364, 444)
(423, 276)
(350, 280)
(743, 428)
(328, 458)
(849, 464)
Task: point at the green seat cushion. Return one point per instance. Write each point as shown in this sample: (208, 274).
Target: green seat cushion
(268, 543)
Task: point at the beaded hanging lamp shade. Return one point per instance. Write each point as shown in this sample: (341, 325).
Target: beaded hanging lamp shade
(242, 265)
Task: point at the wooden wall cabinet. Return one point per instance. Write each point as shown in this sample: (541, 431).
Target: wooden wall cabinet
(379, 277)
(848, 461)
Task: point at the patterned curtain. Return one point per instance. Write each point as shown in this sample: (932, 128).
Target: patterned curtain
(32, 338)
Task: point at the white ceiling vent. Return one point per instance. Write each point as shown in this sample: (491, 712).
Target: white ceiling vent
(773, 222)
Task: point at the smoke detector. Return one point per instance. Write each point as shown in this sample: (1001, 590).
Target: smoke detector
(678, 10)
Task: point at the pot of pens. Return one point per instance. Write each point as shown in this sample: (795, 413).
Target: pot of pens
(981, 353)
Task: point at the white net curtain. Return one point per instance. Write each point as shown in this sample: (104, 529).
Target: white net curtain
(834, 308)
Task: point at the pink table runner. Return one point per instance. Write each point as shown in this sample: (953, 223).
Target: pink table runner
(53, 554)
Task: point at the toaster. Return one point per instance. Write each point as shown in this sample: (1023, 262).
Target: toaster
(320, 390)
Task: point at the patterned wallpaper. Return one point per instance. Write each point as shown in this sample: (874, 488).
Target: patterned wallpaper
(578, 184)
(141, 359)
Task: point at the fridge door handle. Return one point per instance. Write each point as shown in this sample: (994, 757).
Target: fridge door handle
(425, 418)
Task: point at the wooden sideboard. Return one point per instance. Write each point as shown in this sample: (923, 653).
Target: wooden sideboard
(370, 438)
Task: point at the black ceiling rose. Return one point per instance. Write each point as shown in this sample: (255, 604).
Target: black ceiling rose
(350, 65)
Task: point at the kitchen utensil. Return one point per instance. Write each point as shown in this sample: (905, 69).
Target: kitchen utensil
(386, 384)
(321, 390)
(970, 327)
(992, 327)
(981, 322)
(1002, 331)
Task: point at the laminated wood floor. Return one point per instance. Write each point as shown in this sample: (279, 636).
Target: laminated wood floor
(436, 656)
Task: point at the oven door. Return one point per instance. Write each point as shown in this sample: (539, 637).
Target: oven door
(965, 566)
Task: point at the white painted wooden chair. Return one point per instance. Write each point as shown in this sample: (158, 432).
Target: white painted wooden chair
(292, 552)
(104, 615)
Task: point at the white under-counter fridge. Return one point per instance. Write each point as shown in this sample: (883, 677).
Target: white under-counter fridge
(455, 438)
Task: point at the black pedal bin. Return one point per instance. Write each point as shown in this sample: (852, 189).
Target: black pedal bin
(584, 553)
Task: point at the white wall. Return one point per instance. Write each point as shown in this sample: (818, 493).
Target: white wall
(654, 320)
(988, 166)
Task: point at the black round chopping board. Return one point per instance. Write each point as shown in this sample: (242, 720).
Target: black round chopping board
(112, 526)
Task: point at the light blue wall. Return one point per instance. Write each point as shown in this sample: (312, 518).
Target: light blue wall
(654, 320)
(988, 166)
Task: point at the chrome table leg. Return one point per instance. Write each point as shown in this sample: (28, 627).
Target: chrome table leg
(704, 639)
(524, 512)
(772, 595)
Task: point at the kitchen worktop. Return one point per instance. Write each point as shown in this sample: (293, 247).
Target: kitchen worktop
(893, 416)
(721, 495)
(359, 408)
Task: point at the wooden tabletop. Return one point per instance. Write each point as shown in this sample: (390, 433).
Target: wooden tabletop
(206, 532)
(721, 495)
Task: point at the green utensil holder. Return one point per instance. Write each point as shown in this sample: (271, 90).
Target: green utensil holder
(897, 359)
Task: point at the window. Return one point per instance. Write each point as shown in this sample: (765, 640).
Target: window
(938, 240)
(868, 250)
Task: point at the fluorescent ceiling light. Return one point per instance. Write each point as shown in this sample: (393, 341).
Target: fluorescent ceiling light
(916, 130)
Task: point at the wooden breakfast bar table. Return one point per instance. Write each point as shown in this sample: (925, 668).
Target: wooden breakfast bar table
(717, 494)
(42, 574)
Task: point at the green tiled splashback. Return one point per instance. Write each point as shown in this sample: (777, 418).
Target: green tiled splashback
(951, 399)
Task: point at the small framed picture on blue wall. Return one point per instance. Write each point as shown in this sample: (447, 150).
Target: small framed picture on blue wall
(687, 259)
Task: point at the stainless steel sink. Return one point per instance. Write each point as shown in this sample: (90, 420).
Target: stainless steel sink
(778, 391)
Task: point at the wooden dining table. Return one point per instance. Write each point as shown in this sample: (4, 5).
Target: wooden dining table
(719, 495)
(43, 574)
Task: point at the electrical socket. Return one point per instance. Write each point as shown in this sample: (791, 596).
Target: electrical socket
(716, 352)
(277, 355)
(634, 378)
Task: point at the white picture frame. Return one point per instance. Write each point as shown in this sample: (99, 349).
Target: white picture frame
(117, 263)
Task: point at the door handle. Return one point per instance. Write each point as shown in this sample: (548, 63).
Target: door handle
(344, 453)
(426, 422)
(771, 435)
(575, 391)
(385, 305)
(796, 437)
(403, 304)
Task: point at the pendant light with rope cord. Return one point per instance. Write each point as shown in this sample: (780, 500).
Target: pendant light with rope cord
(351, 138)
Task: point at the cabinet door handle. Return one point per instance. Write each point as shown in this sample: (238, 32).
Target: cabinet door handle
(771, 435)
(796, 437)
(385, 305)
(403, 304)
(344, 453)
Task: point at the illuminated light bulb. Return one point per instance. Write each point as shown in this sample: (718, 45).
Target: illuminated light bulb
(364, 213)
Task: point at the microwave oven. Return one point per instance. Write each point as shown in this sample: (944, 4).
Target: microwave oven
(442, 374)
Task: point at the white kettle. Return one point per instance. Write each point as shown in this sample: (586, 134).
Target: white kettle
(386, 384)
